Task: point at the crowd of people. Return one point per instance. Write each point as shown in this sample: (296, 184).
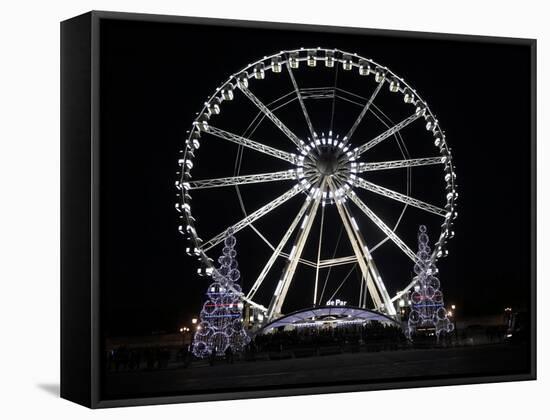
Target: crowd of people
(301, 342)
(123, 358)
(377, 336)
(374, 333)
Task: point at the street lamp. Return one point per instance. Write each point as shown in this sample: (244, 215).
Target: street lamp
(453, 307)
(183, 330)
(194, 321)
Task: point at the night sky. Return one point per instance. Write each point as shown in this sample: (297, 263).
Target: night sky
(156, 76)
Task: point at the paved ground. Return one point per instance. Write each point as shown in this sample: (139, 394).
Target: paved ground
(478, 360)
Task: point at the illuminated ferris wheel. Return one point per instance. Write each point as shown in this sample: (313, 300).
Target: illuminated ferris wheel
(324, 167)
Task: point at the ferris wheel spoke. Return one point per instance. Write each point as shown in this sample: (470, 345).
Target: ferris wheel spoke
(262, 107)
(394, 195)
(382, 226)
(342, 282)
(405, 290)
(242, 180)
(388, 133)
(252, 217)
(251, 144)
(277, 251)
(334, 88)
(364, 110)
(396, 164)
(275, 105)
(281, 290)
(330, 266)
(301, 100)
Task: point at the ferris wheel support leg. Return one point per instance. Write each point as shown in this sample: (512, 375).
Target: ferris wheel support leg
(360, 304)
(281, 291)
(364, 305)
(344, 215)
(373, 270)
(277, 251)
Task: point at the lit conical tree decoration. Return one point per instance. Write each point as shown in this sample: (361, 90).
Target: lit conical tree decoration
(221, 317)
(427, 308)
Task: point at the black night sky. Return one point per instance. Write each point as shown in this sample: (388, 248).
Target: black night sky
(154, 78)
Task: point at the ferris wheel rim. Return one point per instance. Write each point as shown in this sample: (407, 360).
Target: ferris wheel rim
(355, 62)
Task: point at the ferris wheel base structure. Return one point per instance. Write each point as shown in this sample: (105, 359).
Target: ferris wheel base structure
(258, 321)
(333, 316)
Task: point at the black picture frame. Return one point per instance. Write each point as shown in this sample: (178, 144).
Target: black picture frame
(80, 214)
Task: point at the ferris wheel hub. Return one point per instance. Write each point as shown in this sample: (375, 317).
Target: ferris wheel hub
(327, 162)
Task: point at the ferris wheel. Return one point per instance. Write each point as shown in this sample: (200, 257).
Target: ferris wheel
(323, 163)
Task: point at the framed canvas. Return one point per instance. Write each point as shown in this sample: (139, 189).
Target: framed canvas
(255, 209)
